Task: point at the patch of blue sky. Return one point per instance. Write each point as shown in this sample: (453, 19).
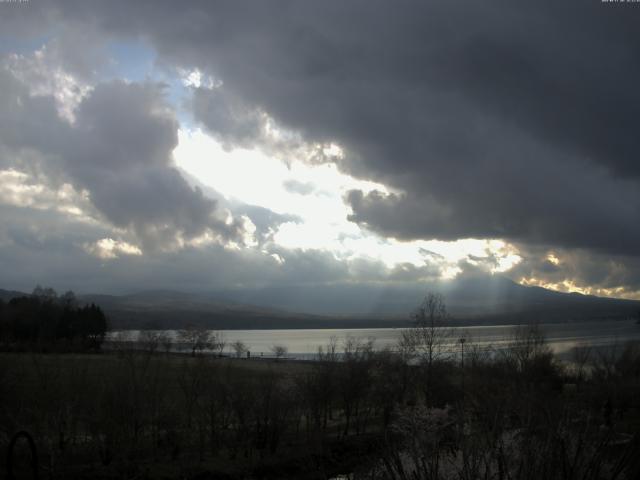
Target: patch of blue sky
(22, 46)
(131, 60)
(179, 96)
(134, 61)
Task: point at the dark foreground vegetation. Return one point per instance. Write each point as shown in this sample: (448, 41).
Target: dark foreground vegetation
(421, 411)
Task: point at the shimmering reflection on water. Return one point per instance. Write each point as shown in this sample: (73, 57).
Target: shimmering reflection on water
(304, 343)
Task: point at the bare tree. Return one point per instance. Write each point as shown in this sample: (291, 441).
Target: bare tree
(528, 345)
(166, 341)
(122, 341)
(217, 343)
(197, 339)
(45, 294)
(68, 299)
(430, 334)
(581, 356)
(148, 340)
(354, 380)
(329, 353)
(279, 351)
(406, 345)
(239, 348)
(430, 339)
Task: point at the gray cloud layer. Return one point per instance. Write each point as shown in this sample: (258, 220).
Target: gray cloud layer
(493, 119)
(119, 150)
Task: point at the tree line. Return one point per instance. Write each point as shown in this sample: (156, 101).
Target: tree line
(44, 320)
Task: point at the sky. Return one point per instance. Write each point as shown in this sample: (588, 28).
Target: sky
(204, 145)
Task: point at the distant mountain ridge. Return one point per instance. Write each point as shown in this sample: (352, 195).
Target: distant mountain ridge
(476, 300)
(468, 298)
(6, 295)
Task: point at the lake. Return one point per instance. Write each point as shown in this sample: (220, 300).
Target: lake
(304, 343)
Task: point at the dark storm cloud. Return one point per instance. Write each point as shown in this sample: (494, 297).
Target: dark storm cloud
(231, 121)
(119, 149)
(49, 247)
(617, 274)
(489, 119)
(495, 119)
(126, 135)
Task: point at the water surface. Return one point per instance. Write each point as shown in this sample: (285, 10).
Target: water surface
(304, 343)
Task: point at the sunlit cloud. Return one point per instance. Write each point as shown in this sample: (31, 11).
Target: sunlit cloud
(108, 249)
(553, 259)
(570, 286)
(314, 193)
(20, 189)
(45, 78)
(195, 78)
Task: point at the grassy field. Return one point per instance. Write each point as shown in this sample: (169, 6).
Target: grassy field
(135, 415)
(373, 415)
